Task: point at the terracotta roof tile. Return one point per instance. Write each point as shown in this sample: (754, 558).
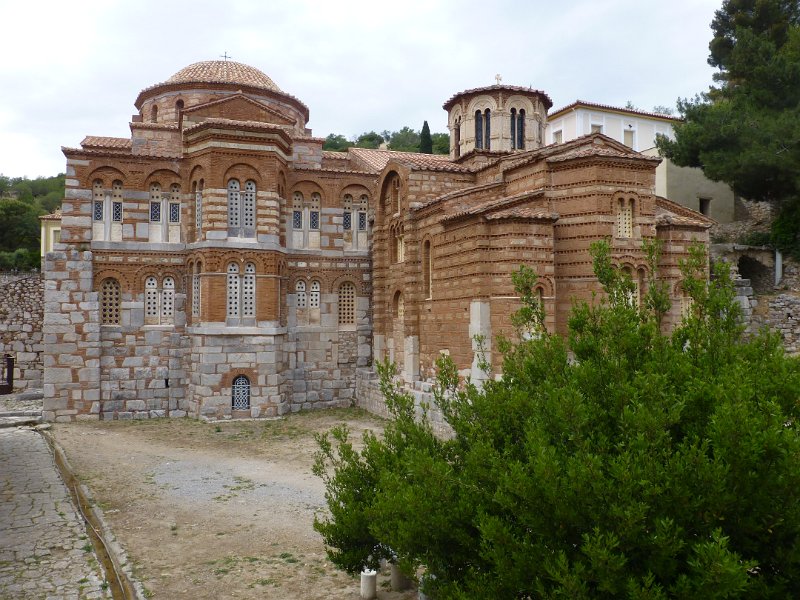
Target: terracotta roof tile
(378, 159)
(492, 88)
(466, 209)
(524, 212)
(95, 141)
(54, 216)
(672, 213)
(630, 111)
(223, 71)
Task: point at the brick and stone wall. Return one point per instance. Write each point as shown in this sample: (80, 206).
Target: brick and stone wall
(21, 313)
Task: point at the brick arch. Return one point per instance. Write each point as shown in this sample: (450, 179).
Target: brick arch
(106, 174)
(308, 187)
(385, 186)
(324, 280)
(519, 102)
(197, 173)
(164, 177)
(547, 286)
(123, 279)
(354, 189)
(481, 103)
(455, 113)
(243, 172)
(142, 273)
(352, 277)
(227, 378)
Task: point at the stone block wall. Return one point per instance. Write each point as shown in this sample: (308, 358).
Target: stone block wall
(21, 314)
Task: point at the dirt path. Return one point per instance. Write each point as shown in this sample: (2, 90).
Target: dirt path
(217, 511)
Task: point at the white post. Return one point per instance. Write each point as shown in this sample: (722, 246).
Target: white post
(369, 584)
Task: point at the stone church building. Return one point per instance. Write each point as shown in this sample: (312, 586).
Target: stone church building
(218, 263)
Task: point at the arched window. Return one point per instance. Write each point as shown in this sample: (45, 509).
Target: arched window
(625, 208)
(457, 141)
(478, 130)
(249, 291)
(313, 296)
(234, 223)
(513, 128)
(174, 216)
(398, 306)
(306, 220)
(116, 207)
(232, 297)
(97, 200)
(168, 300)
(198, 210)
(153, 113)
(196, 289)
(240, 393)
(178, 108)
(347, 304)
(109, 302)
(521, 129)
(249, 209)
(151, 301)
(354, 221)
(347, 215)
(427, 270)
(487, 123)
(313, 217)
(300, 292)
(297, 211)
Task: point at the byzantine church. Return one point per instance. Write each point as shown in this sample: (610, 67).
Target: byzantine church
(218, 263)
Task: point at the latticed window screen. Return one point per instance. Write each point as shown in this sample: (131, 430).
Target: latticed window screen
(313, 216)
(300, 291)
(362, 221)
(97, 210)
(240, 393)
(168, 299)
(233, 203)
(314, 219)
(233, 291)
(249, 205)
(155, 212)
(116, 211)
(116, 191)
(151, 297)
(174, 212)
(625, 218)
(347, 220)
(249, 291)
(313, 296)
(347, 303)
(297, 219)
(196, 294)
(198, 211)
(109, 302)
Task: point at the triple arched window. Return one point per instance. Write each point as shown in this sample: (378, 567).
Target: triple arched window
(241, 209)
(159, 301)
(240, 301)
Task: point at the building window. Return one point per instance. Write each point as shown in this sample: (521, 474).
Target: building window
(151, 301)
(249, 209)
(249, 291)
(198, 210)
(153, 113)
(241, 295)
(354, 216)
(306, 218)
(168, 300)
(427, 270)
(705, 206)
(521, 129)
(487, 123)
(233, 207)
(313, 296)
(232, 299)
(347, 304)
(109, 302)
(625, 208)
(457, 136)
(175, 203)
(155, 203)
(398, 306)
(596, 128)
(628, 138)
(314, 208)
(478, 130)
(240, 393)
(300, 293)
(107, 211)
(558, 137)
(196, 290)
(513, 128)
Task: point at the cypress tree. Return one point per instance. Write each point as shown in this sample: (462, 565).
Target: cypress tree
(425, 140)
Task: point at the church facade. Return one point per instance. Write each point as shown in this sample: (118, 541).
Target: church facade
(218, 263)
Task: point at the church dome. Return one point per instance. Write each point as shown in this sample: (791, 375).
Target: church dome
(223, 71)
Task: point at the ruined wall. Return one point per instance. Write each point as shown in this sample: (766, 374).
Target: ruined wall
(21, 313)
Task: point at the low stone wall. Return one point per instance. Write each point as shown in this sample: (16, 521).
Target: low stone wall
(370, 398)
(21, 314)
(780, 313)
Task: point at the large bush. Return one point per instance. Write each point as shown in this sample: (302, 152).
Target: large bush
(620, 463)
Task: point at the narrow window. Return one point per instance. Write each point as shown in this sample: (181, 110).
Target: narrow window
(196, 291)
(175, 204)
(178, 107)
(347, 214)
(198, 210)
(300, 291)
(457, 141)
(478, 130)
(628, 138)
(398, 305)
(313, 296)
(97, 200)
(314, 211)
(233, 207)
(597, 128)
(109, 302)
(513, 128)
(487, 121)
(232, 300)
(249, 208)
(297, 210)
(347, 303)
(625, 217)
(240, 393)
(249, 291)
(116, 210)
(362, 221)
(155, 203)
(116, 201)
(705, 206)
(557, 136)
(168, 300)
(153, 113)
(427, 265)
(151, 301)
(521, 129)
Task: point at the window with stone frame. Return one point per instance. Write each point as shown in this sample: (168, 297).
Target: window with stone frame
(457, 138)
(249, 209)
(168, 301)
(398, 305)
(306, 220)
(110, 302)
(487, 124)
(300, 303)
(427, 270)
(116, 203)
(513, 113)
(478, 130)
(249, 292)
(232, 308)
(155, 203)
(98, 197)
(347, 304)
(196, 289)
(107, 212)
(521, 129)
(151, 297)
(625, 211)
(314, 303)
(240, 393)
(354, 221)
(198, 210)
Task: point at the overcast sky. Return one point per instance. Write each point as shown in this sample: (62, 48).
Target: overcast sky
(74, 68)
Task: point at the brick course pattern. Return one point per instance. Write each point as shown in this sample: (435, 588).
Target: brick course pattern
(219, 264)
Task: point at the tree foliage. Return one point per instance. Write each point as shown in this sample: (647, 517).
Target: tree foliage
(620, 463)
(425, 139)
(746, 130)
(404, 140)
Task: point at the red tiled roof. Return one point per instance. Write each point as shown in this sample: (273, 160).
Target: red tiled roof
(54, 216)
(598, 150)
(630, 111)
(115, 143)
(494, 203)
(492, 88)
(672, 213)
(378, 159)
(524, 212)
(223, 71)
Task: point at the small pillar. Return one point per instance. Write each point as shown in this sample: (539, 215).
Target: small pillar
(411, 358)
(399, 581)
(369, 584)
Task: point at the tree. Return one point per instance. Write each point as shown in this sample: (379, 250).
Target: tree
(441, 143)
(405, 140)
(620, 463)
(746, 130)
(369, 139)
(425, 140)
(336, 143)
(661, 109)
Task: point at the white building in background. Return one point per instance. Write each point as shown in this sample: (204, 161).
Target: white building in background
(638, 130)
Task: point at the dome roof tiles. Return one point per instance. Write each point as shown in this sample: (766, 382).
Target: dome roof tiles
(223, 71)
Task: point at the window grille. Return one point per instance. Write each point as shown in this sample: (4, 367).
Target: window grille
(249, 206)
(232, 310)
(233, 204)
(196, 294)
(198, 211)
(249, 291)
(362, 221)
(168, 299)
(521, 129)
(313, 297)
(155, 212)
(625, 218)
(109, 302)
(240, 397)
(174, 212)
(347, 303)
(151, 298)
(300, 291)
(314, 219)
(116, 211)
(513, 128)
(297, 219)
(347, 220)
(97, 212)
